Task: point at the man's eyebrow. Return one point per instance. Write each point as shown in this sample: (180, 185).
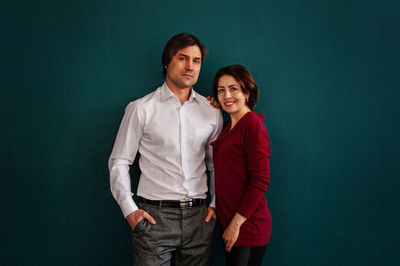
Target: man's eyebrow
(184, 55)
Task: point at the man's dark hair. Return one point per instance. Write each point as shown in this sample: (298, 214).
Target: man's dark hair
(178, 42)
(245, 79)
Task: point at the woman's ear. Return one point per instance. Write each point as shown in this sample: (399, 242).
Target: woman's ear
(247, 95)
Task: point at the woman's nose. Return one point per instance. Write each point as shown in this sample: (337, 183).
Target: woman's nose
(227, 94)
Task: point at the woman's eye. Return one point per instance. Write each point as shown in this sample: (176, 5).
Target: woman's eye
(220, 90)
(234, 89)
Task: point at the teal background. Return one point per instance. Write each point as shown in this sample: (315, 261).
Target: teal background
(328, 73)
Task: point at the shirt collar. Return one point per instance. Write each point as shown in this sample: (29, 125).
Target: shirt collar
(166, 93)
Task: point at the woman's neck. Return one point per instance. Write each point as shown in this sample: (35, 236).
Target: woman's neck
(235, 117)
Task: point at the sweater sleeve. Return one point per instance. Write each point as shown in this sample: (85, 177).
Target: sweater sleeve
(257, 152)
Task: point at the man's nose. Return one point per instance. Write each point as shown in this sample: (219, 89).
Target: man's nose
(189, 65)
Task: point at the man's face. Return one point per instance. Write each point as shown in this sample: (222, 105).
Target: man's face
(184, 68)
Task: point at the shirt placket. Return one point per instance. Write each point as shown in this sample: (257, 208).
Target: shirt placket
(184, 131)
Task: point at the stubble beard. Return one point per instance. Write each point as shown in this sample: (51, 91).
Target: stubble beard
(182, 84)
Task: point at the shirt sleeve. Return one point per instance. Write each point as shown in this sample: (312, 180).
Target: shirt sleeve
(123, 154)
(257, 152)
(209, 156)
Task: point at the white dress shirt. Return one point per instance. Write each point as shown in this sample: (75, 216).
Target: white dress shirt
(173, 140)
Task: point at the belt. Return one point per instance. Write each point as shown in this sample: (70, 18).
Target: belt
(182, 204)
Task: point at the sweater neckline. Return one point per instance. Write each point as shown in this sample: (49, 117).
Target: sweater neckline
(226, 133)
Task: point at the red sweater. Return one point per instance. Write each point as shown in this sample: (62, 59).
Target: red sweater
(241, 164)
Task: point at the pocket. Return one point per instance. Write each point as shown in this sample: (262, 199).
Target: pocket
(208, 226)
(202, 135)
(208, 230)
(140, 227)
(212, 223)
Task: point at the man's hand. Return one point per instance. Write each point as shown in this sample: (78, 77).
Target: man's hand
(210, 214)
(135, 217)
(213, 102)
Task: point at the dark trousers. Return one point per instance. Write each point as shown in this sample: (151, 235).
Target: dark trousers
(245, 256)
(179, 237)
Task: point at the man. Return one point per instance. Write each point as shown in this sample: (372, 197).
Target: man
(171, 128)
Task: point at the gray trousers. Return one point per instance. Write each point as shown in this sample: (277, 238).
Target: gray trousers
(180, 237)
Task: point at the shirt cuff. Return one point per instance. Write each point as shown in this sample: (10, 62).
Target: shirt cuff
(212, 203)
(128, 206)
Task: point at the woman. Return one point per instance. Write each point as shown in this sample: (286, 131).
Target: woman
(241, 162)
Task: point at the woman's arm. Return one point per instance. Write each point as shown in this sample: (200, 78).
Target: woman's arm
(257, 153)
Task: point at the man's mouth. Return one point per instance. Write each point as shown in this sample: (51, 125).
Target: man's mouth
(188, 75)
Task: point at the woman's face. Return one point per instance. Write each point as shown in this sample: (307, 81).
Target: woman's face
(230, 95)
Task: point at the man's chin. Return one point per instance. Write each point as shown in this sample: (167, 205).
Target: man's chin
(187, 85)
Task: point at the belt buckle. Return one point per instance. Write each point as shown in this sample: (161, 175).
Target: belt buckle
(186, 203)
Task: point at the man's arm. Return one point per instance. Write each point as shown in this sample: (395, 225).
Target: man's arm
(124, 152)
(210, 164)
(120, 183)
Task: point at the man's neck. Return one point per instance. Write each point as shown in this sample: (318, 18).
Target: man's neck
(182, 93)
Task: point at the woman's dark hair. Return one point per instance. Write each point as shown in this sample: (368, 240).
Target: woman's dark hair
(245, 79)
(178, 42)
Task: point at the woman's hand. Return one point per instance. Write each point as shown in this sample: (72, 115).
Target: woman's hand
(230, 236)
(231, 233)
(213, 102)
